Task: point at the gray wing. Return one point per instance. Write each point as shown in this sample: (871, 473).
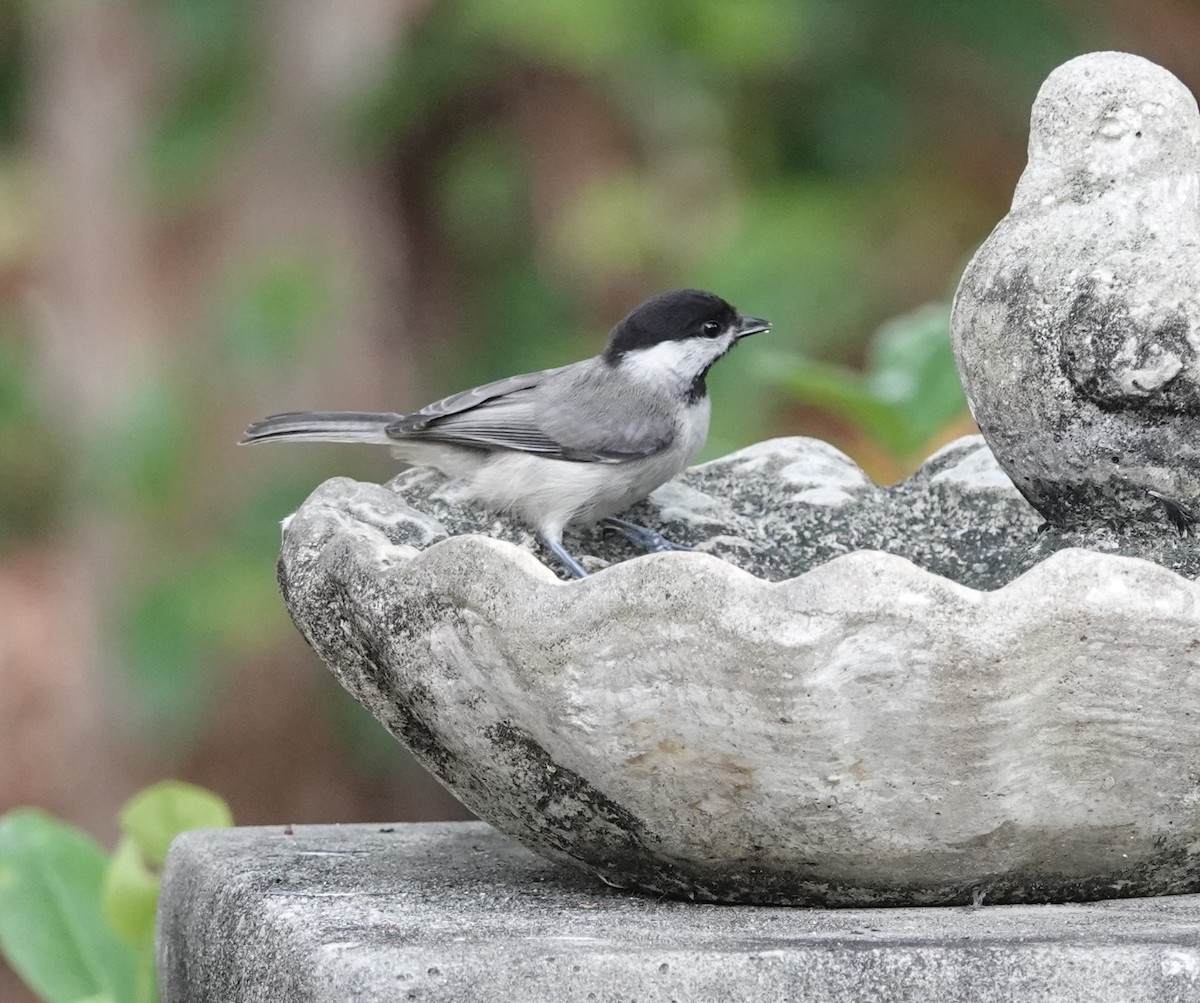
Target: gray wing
(536, 413)
(469, 400)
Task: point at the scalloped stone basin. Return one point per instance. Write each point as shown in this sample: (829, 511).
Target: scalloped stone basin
(863, 732)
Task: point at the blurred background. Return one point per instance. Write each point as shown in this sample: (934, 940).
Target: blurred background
(211, 210)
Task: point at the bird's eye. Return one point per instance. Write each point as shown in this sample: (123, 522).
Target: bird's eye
(710, 328)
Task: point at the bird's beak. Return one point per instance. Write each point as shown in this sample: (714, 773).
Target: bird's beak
(752, 325)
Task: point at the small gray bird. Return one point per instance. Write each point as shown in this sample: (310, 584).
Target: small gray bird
(576, 444)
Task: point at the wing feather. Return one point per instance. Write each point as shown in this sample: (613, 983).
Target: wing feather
(469, 400)
(511, 414)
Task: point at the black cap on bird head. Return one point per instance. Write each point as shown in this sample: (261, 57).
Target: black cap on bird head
(672, 316)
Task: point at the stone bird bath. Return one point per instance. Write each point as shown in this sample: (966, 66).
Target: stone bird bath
(845, 694)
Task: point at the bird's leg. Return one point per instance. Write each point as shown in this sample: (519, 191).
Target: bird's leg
(572, 566)
(1182, 518)
(642, 537)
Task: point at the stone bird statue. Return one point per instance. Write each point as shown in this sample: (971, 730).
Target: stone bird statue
(1076, 325)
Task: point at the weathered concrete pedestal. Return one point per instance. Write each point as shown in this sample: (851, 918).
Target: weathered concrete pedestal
(455, 911)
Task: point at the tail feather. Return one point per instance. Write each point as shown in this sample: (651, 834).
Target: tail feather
(322, 426)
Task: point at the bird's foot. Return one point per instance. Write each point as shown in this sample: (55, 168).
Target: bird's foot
(572, 567)
(1181, 517)
(640, 536)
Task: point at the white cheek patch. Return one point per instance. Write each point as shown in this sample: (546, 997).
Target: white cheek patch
(673, 365)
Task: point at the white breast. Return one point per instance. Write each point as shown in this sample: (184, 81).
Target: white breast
(549, 494)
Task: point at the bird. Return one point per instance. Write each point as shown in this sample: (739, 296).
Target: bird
(1074, 325)
(576, 444)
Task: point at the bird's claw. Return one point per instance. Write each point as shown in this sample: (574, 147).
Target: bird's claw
(640, 536)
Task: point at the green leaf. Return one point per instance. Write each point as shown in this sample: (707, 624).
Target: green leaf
(150, 820)
(911, 367)
(910, 389)
(130, 895)
(52, 929)
(155, 816)
(841, 392)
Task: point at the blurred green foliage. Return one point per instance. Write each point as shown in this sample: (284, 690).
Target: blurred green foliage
(212, 42)
(14, 67)
(198, 612)
(907, 391)
(273, 309)
(31, 457)
(78, 927)
(138, 464)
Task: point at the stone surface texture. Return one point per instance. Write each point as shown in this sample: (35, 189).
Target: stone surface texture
(454, 912)
(778, 509)
(1077, 323)
(860, 731)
